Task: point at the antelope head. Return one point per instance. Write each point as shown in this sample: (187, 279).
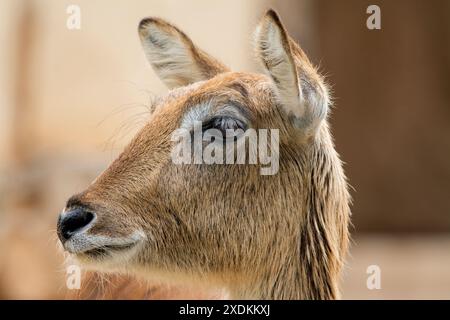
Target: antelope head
(279, 235)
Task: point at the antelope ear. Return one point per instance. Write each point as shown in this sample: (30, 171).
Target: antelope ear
(300, 89)
(173, 56)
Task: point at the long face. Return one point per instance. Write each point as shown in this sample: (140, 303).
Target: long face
(148, 213)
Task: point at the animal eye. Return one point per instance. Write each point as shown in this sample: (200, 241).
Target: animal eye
(224, 123)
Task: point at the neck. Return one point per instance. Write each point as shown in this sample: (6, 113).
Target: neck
(290, 281)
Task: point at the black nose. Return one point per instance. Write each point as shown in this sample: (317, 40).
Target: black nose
(72, 221)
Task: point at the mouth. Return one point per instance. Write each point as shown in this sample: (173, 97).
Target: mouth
(95, 246)
(106, 250)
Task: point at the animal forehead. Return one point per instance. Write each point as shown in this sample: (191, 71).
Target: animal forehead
(223, 83)
(240, 89)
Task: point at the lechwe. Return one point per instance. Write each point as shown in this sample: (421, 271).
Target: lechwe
(279, 236)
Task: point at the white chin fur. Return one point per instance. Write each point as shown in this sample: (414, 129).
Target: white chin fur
(83, 242)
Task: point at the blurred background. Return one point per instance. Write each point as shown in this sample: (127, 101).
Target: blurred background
(71, 99)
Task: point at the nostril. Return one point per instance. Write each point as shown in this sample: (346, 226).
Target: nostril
(78, 220)
(72, 221)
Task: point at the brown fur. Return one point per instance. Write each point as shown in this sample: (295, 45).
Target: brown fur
(262, 237)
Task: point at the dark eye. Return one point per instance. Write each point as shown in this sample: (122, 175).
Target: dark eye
(223, 124)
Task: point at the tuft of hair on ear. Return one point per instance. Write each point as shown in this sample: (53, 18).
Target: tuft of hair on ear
(173, 55)
(271, 37)
(274, 51)
(300, 90)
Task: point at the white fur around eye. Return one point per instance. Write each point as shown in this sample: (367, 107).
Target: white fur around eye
(195, 114)
(204, 111)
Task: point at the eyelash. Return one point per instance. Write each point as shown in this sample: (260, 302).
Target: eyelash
(224, 123)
